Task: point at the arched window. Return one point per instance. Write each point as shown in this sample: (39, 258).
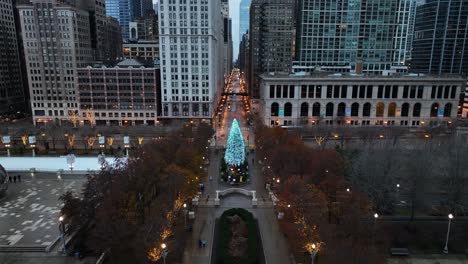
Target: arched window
(379, 110)
(434, 109)
(316, 109)
(355, 109)
(405, 109)
(417, 110)
(287, 109)
(274, 109)
(448, 110)
(341, 109)
(329, 109)
(391, 110)
(304, 109)
(366, 109)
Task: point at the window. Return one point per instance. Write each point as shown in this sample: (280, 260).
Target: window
(379, 112)
(304, 109)
(448, 110)
(395, 91)
(362, 91)
(417, 110)
(369, 91)
(355, 91)
(420, 91)
(316, 109)
(303, 91)
(405, 91)
(391, 110)
(434, 109)
(285, 91)
(336, 91)
(387, 91)
(355, 109)
(341, 109)
(405, 109)
(272, 91)
(453, 92)
(274, 109)
(380, 91)
(329, 109)
(366, 109)
(329, 91)
(344, 91)
(288, 109)
(291, 91)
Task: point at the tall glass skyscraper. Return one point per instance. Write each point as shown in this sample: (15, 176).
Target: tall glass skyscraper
(351, 35)
(440, 42)
(125, 11)
(244, 12)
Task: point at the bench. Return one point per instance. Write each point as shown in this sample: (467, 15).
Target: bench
(399, 252)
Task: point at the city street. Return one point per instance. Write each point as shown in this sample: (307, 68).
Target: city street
(274, 244)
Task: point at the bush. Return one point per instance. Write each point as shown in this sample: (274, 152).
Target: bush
(225, 236)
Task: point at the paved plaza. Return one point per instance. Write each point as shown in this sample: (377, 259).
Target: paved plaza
(41, 258)
(29, 213)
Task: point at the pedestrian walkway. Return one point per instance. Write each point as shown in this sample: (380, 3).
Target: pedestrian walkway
(430, 259)
(42, 258)
(274, 243)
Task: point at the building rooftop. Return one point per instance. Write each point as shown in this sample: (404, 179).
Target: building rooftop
(328, 75)
(127, 63)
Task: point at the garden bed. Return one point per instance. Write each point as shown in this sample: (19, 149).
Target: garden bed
(237, 239)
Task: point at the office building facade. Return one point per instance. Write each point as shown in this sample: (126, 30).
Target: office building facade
(271, 36)
(244, 17)
(351, 35)
(142, 49)
(345, 99)
(57, 41)
(12, 96)
(144, 28)
(125, 94)
(440, 42)
(191, 47)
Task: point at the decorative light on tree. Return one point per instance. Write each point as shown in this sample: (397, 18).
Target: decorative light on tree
(235, 149)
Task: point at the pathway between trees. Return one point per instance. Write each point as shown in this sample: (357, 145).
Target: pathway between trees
(274, 242)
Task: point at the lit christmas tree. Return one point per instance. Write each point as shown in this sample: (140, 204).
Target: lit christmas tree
(235, 149)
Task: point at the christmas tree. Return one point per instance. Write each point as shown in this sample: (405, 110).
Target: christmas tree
(235, 149)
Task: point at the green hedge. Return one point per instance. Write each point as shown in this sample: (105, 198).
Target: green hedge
(225, 236)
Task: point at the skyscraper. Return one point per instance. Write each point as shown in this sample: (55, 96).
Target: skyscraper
(191, 46)
(11, 88)
(351, 35)
(271, 38)
(440, 42)
(244, 13)
(227, 37)
(125, 11)
(56, 40)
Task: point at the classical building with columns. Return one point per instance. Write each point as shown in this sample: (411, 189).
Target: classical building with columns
(350, 99)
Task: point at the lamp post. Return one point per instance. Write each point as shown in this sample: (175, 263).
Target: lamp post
(398, 193)
(62, 231)
(185, 215)
(376, 216)
(164, 253)
(450, 217)
(313, 253)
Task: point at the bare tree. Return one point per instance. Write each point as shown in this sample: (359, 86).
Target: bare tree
(455, 173)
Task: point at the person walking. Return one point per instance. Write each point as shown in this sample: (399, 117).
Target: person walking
(9, 179)
(19, 178)
(14, 179)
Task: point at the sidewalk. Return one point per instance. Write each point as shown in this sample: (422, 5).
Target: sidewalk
(430, 259)
(42, 258)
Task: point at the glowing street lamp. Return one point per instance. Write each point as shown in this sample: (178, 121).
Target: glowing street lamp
(164, 253)
(62, 231)
(450, 217)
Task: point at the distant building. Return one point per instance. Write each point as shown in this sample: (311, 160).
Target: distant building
(125, 11)
(12, 97)
(227, 37)
(57, 41)
(191, 55)
(440, 42)
(271, 37)
(351, 36)
(113, 40)
(359, 100)
(244, 17)
(126, 94)
(144, 28)
(142, 49)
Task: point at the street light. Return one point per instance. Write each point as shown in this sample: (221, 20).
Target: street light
(185, 215)
(450, 217)
(62, 231)
(164, 253)
(313, 252)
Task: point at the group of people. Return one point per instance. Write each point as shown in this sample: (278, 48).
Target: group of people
(202, 243)
(14, 178)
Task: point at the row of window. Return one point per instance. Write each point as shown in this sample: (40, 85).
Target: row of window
(363, 91)
(341, 111)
